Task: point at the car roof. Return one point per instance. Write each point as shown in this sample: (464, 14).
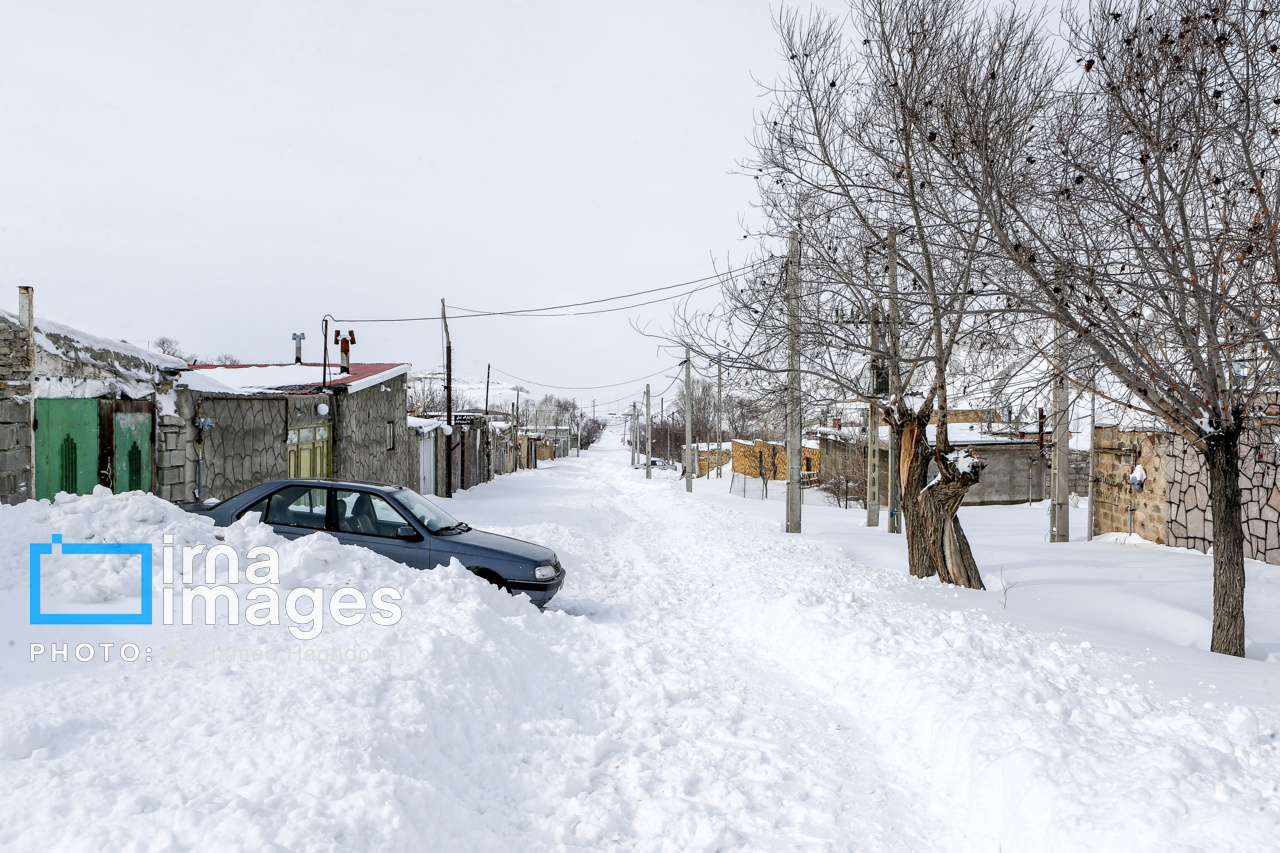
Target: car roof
(331, 481)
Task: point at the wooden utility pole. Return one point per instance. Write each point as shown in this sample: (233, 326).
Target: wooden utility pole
(719, 422)
(633, 433)
(794, 431)
(648, 434)
(690, 454)
(488, 371)
(1060, 508)
(873, 428)
(448, 404)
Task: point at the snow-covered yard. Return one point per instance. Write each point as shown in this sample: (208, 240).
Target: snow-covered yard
(704, 682)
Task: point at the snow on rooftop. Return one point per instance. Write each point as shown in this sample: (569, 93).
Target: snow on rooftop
(298, 377)
(429, 425)
(71, 344)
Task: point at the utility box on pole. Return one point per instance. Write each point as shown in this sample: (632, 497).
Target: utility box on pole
(795, 496)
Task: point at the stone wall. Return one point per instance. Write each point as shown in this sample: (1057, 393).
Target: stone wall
(1191, 516)
(245, 446)
(747, 458)
(15, 413)
(1116, 452)
(361, 449)
(710, 458)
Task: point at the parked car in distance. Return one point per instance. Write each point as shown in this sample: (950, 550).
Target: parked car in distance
(398, 523)
(658, 465)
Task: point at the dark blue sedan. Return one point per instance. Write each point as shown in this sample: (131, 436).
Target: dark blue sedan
(398, 523)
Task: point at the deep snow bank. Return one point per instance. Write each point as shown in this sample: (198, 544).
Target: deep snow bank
(413, 748)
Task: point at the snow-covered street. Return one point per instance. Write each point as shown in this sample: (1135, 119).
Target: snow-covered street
(704, 682)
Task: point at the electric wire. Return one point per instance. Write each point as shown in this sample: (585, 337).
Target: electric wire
(581, 387)
(714, 281)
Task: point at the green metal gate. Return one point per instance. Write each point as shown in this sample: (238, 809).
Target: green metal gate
(131, 430)
(66, 447)
(83, 443)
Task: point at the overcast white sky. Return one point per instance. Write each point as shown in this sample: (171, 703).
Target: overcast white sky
(227, 173)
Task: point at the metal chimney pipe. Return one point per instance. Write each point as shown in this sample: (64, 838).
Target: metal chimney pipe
(298, 338)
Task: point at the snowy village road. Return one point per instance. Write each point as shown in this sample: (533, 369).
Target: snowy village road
(704, 682)
(710, 745)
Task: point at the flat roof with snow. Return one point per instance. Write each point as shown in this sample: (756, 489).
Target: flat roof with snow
(299, 378)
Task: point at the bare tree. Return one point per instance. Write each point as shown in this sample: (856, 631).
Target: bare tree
(169, 346)
(843, 475)
(891, 276)
(1135, 202)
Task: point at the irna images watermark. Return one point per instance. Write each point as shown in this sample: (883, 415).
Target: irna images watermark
(253, 594)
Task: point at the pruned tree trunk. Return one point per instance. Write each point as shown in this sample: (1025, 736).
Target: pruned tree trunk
(913, 474)
(948, 548)
(1222, 457)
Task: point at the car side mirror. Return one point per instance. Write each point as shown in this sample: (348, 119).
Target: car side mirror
(406, 532)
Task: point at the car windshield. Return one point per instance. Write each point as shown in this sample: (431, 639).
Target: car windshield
(425, 511)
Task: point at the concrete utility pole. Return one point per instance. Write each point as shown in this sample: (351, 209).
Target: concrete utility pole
(1093, 431)
(448, 404)
(1060, 509)
(895, 510)
(719, 422)
(873, 430)
(488, 371)
(794, 432)
(648, 434)
(895, 497)
(633, 434)
(690, 453)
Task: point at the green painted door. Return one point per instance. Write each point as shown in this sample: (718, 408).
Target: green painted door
(131, 451)
(66, 447)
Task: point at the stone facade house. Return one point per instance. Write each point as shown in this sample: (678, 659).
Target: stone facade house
(293, 420)
(1172, 507)
(79, 411)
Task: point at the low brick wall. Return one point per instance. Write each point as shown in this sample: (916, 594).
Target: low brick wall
(1116, 452)
(748, 457)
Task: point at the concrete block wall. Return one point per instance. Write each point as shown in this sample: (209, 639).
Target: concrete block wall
(176, 450)
(1014, 473)
(15, 414)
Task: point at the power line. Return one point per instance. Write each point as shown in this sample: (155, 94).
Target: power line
(580, 387)
(716, 279)
(532, 312)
